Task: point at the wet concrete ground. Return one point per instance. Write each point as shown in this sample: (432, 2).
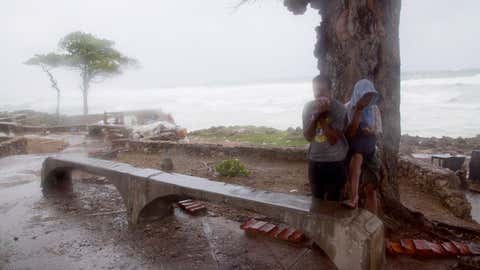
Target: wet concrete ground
(84, 227)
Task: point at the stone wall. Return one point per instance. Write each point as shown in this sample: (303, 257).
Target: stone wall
(15, 128)
(4, 138)
(70, 128)
(265, 153)
(15, 146)
(443, 183)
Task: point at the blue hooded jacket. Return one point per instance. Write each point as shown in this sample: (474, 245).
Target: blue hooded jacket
(360, 89)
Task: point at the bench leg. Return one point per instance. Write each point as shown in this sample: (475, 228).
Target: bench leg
(157, 209)
(52, 178)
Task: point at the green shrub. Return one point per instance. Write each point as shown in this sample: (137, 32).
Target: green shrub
(231, 168)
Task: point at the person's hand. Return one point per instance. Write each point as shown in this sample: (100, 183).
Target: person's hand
(360, 106)
(363, 102)
(323, 121)
(322, 105)
(368, 131)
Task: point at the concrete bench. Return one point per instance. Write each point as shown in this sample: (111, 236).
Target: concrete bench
(353, 239)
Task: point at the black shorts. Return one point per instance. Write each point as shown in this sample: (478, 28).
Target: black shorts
(363, 144)
(327, 179)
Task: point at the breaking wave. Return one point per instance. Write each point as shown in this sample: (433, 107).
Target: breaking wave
(435, 106)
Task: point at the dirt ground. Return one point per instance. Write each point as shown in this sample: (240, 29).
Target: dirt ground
(277, 176)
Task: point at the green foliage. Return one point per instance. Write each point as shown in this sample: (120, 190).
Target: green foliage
(253, 135)
(93, 56)
(50, 60)
(47, 62)
(231, 168)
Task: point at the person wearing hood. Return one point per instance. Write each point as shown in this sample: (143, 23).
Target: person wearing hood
(324, 123)
(363, 129)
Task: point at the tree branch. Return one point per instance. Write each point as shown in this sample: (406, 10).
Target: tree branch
(53, 81)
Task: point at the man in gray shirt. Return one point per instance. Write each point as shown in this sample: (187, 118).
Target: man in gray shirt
(324, 123)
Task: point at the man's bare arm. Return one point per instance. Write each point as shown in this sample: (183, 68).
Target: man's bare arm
(310, 129)
(354, 124)
(320, 108)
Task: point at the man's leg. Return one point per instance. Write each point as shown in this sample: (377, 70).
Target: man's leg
(337, 177)
(314, 177)
(354, 174)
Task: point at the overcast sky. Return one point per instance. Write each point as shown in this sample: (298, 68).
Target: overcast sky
(204, 41)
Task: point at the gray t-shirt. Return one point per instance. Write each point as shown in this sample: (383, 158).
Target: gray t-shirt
(320, 149)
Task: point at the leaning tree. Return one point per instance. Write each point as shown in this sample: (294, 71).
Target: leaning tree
(47, 62)
(95, 58)
(359, 39)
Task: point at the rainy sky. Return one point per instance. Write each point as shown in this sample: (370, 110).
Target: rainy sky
(196, 42)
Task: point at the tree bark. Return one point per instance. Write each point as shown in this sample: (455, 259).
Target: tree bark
(58, 104)
(85, 88)
(85, 102)
(54, 85)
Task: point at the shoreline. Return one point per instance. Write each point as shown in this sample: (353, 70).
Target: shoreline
(242, 134)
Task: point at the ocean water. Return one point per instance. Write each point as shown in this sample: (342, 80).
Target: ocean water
(445, 104)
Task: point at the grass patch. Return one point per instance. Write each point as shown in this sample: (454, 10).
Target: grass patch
(231, 168)
(254, 135)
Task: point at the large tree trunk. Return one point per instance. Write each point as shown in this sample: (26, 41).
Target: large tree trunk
(58, 104)
(359, 39)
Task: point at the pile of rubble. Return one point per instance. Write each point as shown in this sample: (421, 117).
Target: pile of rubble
(159, 131)
(120, 126)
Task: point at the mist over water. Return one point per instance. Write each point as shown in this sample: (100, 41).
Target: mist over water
(435, 106)
(442, 106)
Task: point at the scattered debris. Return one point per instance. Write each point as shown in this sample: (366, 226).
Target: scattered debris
(452, 162)
(424, 248)
(192, 207)
(271, 230)
(161, 131)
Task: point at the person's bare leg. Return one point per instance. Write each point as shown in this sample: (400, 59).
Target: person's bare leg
(371, 200)
(354, 173)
